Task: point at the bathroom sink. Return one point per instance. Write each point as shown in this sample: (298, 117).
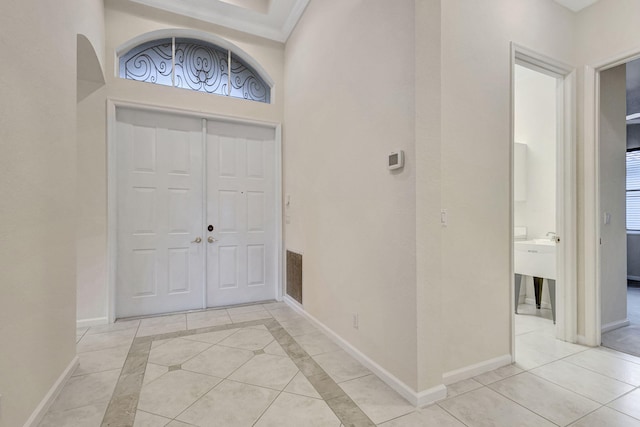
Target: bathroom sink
(535, 258)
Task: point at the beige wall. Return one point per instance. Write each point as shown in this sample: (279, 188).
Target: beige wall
(125, 21)
(475, 165)
(349, 102)
(613, 143)
(37, 183)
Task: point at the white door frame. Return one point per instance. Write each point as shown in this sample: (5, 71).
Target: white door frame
(591, 131)
(566, 211)
(112, 105)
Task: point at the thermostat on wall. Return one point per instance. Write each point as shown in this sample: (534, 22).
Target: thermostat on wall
(396, 160)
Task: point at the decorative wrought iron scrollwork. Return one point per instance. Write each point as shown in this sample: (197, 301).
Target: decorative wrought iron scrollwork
(246, 83)
(202, 67)
(150, 62)
(195, 65)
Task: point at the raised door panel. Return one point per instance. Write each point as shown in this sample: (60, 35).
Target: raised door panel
(241, 207)
(160, 201)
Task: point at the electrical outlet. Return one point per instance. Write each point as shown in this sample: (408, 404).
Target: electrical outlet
(356, 321)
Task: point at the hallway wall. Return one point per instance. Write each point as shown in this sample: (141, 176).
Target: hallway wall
(38, 187)
(349, 102)
(476, 136)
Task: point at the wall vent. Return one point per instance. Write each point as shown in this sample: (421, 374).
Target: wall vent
(294, 276)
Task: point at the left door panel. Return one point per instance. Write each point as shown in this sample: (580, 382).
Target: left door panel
(160, 265)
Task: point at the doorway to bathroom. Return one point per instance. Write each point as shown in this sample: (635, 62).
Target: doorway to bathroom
(543, 207)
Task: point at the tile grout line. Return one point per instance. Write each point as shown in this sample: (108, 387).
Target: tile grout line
(129, 386)
(345, 409)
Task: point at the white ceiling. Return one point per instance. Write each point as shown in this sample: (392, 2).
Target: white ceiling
(576, 5)
(271, 19)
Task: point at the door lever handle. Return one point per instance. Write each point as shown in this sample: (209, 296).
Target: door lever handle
(198, 240)
(210, 239)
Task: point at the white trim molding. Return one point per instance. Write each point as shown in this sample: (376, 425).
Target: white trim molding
(112, 105)
(615, 325)
(38, 414)
(474, 370)
(417, 399)
(87, 323)
(566, 194)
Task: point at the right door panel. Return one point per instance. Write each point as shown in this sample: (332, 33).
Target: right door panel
(241, 208)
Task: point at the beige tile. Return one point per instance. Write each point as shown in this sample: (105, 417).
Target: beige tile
(86, 390)
(530, 357)
(229, 404)
(290, 410)
(205, 319)
(609, 365)
(316, 343)
(275, 305)
(301, 385)
(153, 372)
(145, 419)
(101, 360)
(248, 339)
(432, 416)
(176, 352)
(146, 331)
(587, 383)
(245, 309)
(174, 392)
(175, 423)
(162, 320)
(376, 399)
(85, 416)
(218, 361)
(266, 370)
(113, 327)
(498, 374)
(106, 340)
(275, 349)
(606, 417)
(628, 404)
(247, 317)
(462, 387)
(212, 337)
(340, 366)
(261, 327)
(284, 314)
(554, 403)
(484, 407)
(299, 327)
(548, 344)
(619, 355)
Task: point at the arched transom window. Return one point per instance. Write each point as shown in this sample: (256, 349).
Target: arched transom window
(195, 65)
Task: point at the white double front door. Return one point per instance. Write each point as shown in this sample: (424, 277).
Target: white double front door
(196, 213)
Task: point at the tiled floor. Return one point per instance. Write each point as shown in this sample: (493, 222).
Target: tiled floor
(264, 365)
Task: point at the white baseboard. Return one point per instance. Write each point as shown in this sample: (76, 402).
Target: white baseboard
(422, 398)
(615, 325)
(635, 278)
(471, 371)
(45, 404)
(86, 323)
